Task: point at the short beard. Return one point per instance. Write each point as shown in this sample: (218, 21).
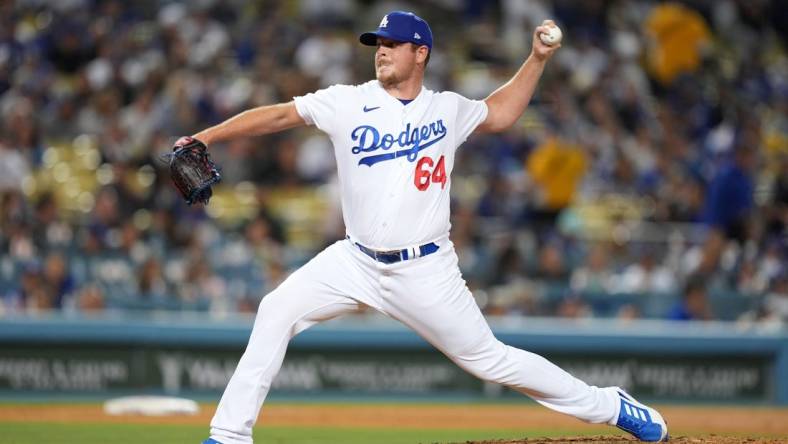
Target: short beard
(391, 80)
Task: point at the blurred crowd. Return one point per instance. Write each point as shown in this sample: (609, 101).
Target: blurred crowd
(648, 177)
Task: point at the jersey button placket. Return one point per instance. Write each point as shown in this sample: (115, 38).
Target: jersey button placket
(385, 280)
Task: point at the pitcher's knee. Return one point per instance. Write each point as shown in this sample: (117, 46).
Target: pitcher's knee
(492, 365)
(272, 319)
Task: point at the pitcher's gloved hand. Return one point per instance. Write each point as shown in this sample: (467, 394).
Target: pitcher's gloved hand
(192, 170)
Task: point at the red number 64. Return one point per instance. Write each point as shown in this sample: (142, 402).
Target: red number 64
(424, 174)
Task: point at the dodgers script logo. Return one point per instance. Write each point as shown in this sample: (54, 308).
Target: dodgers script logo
(411, 140)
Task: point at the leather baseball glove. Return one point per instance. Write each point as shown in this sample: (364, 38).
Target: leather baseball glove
(192, 170)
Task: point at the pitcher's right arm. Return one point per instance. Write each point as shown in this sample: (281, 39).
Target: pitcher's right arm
(253, 122)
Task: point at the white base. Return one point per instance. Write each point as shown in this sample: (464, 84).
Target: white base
(151, 406)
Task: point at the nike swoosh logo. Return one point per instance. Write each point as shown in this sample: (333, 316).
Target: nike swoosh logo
(366, 109)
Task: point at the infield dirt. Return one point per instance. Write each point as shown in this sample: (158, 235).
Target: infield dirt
(687, 424)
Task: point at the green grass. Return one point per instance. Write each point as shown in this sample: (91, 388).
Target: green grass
(59, 433)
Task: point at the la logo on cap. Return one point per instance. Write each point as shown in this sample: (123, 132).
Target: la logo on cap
(399, 26)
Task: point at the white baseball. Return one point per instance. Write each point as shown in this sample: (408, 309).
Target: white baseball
(552, 37)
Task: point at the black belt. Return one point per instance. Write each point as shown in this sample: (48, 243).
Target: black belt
(392, 256)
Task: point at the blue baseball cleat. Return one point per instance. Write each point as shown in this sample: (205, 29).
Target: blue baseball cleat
(643, 422)
(211, 441)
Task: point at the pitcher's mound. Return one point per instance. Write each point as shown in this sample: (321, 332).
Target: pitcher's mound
(623, 440)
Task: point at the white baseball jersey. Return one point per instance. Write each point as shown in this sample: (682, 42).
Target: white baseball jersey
(394, 160)
(394, 164)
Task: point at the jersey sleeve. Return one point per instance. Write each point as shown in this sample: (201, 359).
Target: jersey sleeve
(470, 114)
(320, 107)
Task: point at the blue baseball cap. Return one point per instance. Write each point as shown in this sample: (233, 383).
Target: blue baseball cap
(400, 26)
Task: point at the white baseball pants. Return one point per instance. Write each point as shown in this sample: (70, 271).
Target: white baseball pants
(428, 295)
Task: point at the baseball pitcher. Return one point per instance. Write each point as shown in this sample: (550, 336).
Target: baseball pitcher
(395, 143)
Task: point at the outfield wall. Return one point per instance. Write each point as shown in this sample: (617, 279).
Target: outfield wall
(373, 357)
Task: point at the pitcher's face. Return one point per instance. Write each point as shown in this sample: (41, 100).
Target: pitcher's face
(394, 61)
